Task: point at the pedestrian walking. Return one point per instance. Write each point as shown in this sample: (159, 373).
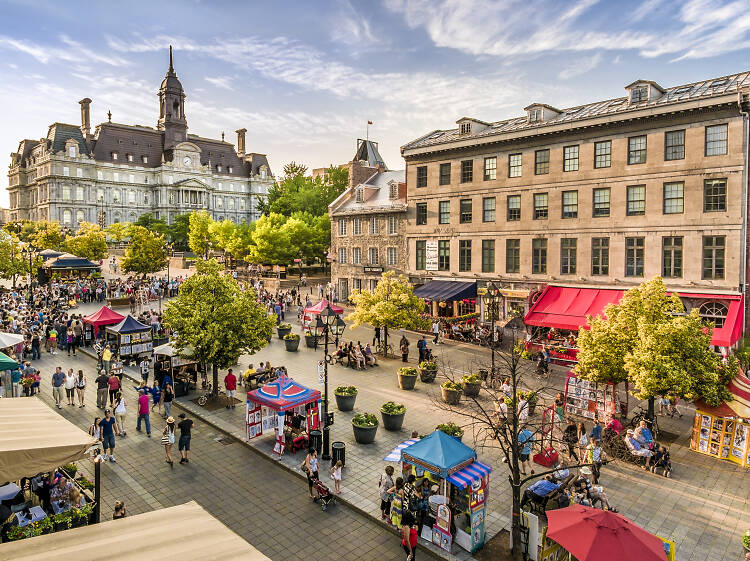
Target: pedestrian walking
(404, 347)
(436, 332)
(102, 386)
(384, 484)
(113, 383)
(311, 468)
(230, 383)
(106, 357)
(167, 397)
(120, 413)
(336, 476)
(95, 430)
(422, 349)
(186, 428)
(155, 397)
(409, 540)
(167, 439)
(70, 387)
(81, 388)
(58, 383)
(109, 428)
(143, 413)
(145, 366)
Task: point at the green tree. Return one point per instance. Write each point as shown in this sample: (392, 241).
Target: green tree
(179, 231)
(48, 235)
(118, 231)
(299, 193)
(147, 252)
(223, 233)
(12, 262)
(200, 239)
(90, 242)
(217, 319)
(391, 305)
(148, 220)
(272, 244)
(316, 239)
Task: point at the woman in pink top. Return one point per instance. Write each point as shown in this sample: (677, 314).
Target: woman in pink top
(114, 387)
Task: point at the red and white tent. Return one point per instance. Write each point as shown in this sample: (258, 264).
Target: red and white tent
(312, 311)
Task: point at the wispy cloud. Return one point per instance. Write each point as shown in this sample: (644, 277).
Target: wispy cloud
(70, 51)
(223, 82)
(352, 28)
(580, 67)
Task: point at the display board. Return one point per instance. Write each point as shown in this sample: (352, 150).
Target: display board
(721, 437)
(586, 398)
(253, 420)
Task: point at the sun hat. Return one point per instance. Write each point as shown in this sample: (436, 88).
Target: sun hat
(586, 470)
(170, 420)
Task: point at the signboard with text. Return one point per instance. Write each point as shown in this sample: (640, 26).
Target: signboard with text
(431, 256)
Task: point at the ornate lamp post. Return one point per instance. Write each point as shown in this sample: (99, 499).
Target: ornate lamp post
(491, 300)
(30, 251)
(328, 322)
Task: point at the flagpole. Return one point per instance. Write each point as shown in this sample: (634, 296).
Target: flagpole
(367, 132)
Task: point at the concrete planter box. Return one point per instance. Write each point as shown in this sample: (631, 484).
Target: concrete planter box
(451, 397)
(345, 402)
(427, 376)
(291, 344)
(407, 381)
(364, 435)
(471, 389)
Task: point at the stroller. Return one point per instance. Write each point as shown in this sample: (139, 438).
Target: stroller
(324, 495)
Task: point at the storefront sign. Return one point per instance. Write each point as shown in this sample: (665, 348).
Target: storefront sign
(373, 269)
(431, 256)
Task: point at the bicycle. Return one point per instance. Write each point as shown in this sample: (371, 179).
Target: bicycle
(206, 395)
(385, 349)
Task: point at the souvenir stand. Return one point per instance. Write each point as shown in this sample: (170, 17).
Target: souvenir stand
(723, 431)
(589, 399)
(67, 264)
(463, 482)
(91, 323)
(285, 407)
(181, 367)
(308, 316)
(130, 337)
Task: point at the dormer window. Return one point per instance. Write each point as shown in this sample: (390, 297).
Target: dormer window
(535, 115)
(144, 159)
(71, 151)
(465, 128)
(218, 168)
(229, 169)
(393, 193)
(130, 157)
(359, 195)
(638, 94)
(114, 155)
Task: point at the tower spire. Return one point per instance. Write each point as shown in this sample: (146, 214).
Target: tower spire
(171, 67)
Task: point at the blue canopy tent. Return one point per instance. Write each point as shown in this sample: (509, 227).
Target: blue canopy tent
(439, 453)
(131, 336)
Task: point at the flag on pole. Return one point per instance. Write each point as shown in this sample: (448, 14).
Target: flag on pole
(369, 122)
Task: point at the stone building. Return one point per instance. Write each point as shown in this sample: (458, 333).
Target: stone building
(120, 172)
(602, 195)
(367, 223)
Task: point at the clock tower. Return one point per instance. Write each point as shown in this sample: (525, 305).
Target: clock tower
(172, 108)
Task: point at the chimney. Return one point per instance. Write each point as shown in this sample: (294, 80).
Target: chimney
(85, 117)
(241, 142)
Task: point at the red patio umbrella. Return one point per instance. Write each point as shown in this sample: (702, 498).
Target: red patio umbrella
(591, 534)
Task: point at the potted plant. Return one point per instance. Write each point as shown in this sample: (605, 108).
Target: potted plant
(63, 521)
(81, 515)
(393, 415)
(70, 469)
(427, 371)
(472, 383)
(311, 339)
(452, 392)
(283, 329)
(407, 377)
(345, 397)
(84, 482)
(43, 526)
(746, 540)
(365, 426)
(291, 342)
(451, 429)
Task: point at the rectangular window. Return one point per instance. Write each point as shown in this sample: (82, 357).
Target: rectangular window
(114, 155)
(514, 208)
(713, 257)
(374, 256)
(79, 193)
(66, 171)
(714, 195)
(420, 253)
(131, 178)
(373, 226)
(392, 225)
(342, 255)
(671, 261)
(393, 192)
(488, 256)
(465, 211)
(357, 226)
(637, 149)
(636, 200)
(356, 256)
(115, 176)
(444, 212)
(603, 154)
(639, 94)
(444, 255)
(568, 247)
(488, 209)
(421, 214)
(79, 172)
(445, 174)
(570, 204)
(570, 158)
(66, 192)
(674, 145)
(634, 251)
(100, 175)
(716, 140)
(512, 256)
(391, 255)
(490, 168)
(144, 159)
(601, 202)
(541, 206)
(467, 171)
(674, 198)
(464, 255)
(342, 227)
(422, 176)
(541, 162)
(514, 165)
(539, 256)
(599, 256)
(71, 151)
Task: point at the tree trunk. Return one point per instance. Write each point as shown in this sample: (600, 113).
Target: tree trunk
(385, 341)
(651, 410)
(516, 553)
(215, 369)
(627, 401)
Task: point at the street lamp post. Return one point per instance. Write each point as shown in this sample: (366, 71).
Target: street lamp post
(491, 299)
(328, 321)
(29, 250)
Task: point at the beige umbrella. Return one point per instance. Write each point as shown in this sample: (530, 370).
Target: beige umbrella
(9, 339)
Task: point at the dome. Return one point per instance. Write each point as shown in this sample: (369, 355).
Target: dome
(171, 81)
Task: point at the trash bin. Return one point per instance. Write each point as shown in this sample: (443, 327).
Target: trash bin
(338, 452)
(316, 440)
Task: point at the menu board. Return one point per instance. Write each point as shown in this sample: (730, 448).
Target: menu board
(586, 398)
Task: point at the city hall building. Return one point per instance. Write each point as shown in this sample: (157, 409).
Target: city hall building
(564, 209)
(119, 172)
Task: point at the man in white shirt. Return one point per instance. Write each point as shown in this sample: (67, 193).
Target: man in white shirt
(145, 368)
(436, 331)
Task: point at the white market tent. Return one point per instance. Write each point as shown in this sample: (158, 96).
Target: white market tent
(35, 438)
(178, 533)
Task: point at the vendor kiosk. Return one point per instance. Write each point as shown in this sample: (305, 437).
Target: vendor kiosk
(589, 399)
(131, 338)
(181, 367)
(723, 431)
(286, 408)
(310, 313)
(462, 481)
(91, 323)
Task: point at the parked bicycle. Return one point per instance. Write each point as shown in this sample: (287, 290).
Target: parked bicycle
(206, 395)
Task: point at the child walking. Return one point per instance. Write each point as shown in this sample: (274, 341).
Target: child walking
(336, 476)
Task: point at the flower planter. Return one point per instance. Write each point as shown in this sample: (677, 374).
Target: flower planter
(407, 381)
(345, 402)
(364, 435)
(427, 376)
(451, 397)
(283, 331)
(311, 341)
(291, 344)
(471, 389)
(392, 422)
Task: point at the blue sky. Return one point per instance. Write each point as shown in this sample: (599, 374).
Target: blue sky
(304, 77)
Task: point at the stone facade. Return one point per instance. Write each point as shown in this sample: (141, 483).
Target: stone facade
(122, 171)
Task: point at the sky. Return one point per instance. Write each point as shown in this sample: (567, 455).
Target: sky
(305, 77)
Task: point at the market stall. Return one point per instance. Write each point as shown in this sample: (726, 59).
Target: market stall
(67, 264)
(101, 318)
(723, 431)
(458, 510)
(130, 338)
(49, 254)
(448, 298)
(309, 314)
(590, 399)
(180, 366)
(285, 407)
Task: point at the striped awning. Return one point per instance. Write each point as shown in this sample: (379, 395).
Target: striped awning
(473, 472)
(395, 455)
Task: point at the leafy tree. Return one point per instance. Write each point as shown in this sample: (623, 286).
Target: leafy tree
(118, 231)
(147, 252)
(90, 242)
(179, 231)
(317, 237)
(148, 220)
(240, 244)
(299, 193)
(200, 239)
(48, 235)
(218, 319)
(12, 262)
(272, 244)
(223, 233)
(391, 305)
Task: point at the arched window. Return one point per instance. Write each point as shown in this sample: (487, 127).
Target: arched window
(132, 217)
(715, 312)
(115, 195)
(67, 216)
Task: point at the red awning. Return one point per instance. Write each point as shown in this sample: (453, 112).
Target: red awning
(566, 307)
(105, 316)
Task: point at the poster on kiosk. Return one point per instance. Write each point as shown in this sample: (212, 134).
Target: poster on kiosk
(477, 503)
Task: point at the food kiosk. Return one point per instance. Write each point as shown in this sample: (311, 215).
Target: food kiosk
(180, 366)
(130, 337)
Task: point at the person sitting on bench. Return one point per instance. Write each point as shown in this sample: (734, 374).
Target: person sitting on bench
(540, 491)
(636, 449)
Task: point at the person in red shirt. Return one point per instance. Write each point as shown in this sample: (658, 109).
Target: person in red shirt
(411, 547)
(230, 383)
(143, 413)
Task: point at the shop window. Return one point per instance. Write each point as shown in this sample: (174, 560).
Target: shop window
(714, 312)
